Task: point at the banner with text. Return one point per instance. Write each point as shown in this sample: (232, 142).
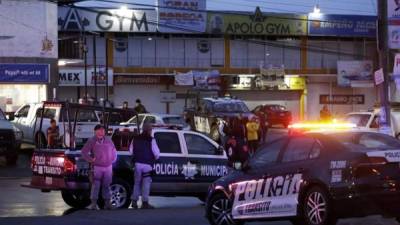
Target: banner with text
(106, 20)
(24, 73)
(352, 72)
(182, 16)
(257, 23)
(76, 77)
(342, 25)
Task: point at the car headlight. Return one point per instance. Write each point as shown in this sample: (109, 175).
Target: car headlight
(18, 133)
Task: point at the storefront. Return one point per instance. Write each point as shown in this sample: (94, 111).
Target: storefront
(71, 82)
(22, 83)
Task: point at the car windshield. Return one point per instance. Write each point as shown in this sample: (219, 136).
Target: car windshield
(236, 107)
(178, 120)
(2, 116)
(366, 141)
(277, 108)
(267, 154)
(360, 120)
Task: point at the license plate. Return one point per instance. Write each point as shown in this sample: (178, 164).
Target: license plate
(48, 180)
(82, 165)
(282, 114)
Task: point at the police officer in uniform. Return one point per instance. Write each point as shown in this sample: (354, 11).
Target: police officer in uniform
(145, 152)
(100, 152)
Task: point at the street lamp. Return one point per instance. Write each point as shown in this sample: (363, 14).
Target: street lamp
(316, 12)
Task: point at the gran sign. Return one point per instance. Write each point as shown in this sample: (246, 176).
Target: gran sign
(76, 77)
(106, 20)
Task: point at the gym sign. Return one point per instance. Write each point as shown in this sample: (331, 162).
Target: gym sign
(106, 20)
(257, 23)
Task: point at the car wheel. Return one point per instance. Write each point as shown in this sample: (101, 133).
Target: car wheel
(316, 208)
(12, 158)
(120, 194)
(219, 211)
(76, 199)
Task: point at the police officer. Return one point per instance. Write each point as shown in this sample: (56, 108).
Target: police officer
(145, 151)
(100, 152)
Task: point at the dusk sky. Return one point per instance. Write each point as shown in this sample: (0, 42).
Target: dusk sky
(358, 7)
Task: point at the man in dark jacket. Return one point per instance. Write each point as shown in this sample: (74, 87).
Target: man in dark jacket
(100, 152)
(145, 152)
(139, 108)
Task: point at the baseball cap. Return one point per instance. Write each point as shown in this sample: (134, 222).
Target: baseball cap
(99, 126)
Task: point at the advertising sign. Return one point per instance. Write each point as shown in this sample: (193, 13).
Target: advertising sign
(396, 65)
(342, 25)
(76, 77)
(257, 23)
(394, 36)
(354, 71)
(106, 20)
(209, 80)
(24, 73)
(393, 7)
(342, 99)
(182, 16)
(184, 79)
(378, 77)
(142, 79)
(167, 96)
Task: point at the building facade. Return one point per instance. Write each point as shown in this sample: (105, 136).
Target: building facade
(143, 58)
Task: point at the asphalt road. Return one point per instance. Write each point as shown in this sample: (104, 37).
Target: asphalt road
(22, 206)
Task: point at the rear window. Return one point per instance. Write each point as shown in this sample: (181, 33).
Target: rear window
(365, 141)
(48, 113)
(360, 120)
(277, 108)
(174, 120)
(84, 115)
(234, 107)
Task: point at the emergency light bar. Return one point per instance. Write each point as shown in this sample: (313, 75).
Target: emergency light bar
(322, 126)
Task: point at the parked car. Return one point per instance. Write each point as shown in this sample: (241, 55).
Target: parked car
(204, 113)
(10, 139)
(158, 120)
(189, 162)
(27, 119)
(370, 120)
(276, 114)
(312, 178)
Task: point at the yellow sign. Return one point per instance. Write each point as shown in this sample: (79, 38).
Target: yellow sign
(257, 23)
(297, 83)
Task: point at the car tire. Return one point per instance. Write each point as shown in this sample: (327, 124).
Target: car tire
(316, 208)
(40, 140)
(219, 211)
(120, 194)
(76, 199)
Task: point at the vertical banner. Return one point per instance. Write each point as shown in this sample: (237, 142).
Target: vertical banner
(182, 16)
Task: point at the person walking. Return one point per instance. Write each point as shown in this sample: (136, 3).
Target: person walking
(262, 116)
(253, 127)
(325, 114)
(223, 128)
(145, 152)
(139, 108)
(127, 113)
(236, 148)
(100, 152)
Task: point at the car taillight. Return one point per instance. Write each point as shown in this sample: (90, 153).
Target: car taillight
(69, 166)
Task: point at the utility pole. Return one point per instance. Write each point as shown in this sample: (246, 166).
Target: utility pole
(382, 38)
(94, 76)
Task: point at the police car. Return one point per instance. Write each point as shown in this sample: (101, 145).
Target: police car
(312, 178)
(189, 162)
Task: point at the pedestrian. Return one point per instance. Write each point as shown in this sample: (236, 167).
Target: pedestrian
(325, 114)
(145, 152)
(127, 113)
(253, 127)
(53, 135)
(100, 152)
(139, 108)
(236, 147)
(262, 116)
(223, 127)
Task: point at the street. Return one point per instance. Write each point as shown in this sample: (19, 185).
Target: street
(21, 206)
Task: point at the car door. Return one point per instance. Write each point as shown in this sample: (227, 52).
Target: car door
(21, 120)
(168, 169)
(206, 160)
(265, 188)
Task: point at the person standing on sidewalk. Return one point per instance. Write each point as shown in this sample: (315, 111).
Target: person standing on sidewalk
(145, 152)
(100, 152)
(139, 108)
